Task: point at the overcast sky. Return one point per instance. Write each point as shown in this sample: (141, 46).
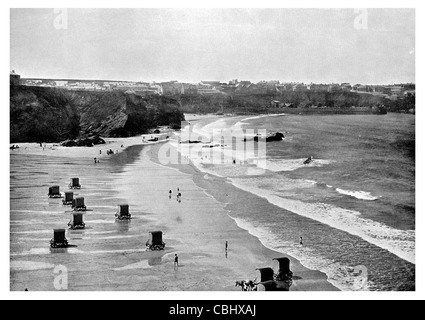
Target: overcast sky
(215, 44)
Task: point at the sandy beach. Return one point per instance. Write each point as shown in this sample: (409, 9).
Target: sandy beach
(111, 255)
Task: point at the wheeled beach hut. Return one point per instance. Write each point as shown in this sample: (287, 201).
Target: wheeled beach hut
(75, 183)
(54, 192)
(69, 196)
(77, 222)
(267, 282)
(155, 242)
(281, 280)
(59, 240)
(123, 212)
(284, 267)
(283, 276)
(266, 274)
(78, 204)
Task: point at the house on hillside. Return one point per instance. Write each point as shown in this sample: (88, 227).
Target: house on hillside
(276, 104)
(346, 87)
(171, 88)
(209, 91)
(15, 79)
(211, 83)
(299, 87)
(410, 93)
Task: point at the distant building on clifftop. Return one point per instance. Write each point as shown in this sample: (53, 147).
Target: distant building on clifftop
(15, 79)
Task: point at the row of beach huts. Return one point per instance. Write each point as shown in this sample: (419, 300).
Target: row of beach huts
(79, 209)
(269, 280)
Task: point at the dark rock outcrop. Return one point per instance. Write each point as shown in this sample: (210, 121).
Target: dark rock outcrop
(84, 142)
(40, 114)
(275, 137)
(272, 137)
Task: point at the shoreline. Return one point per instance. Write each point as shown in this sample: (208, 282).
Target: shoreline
(312, 280)
(204, 266)
(341, 276)
(207, 182)
(221, 201)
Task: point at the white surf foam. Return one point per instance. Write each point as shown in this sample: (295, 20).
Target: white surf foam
(338, 275)
(280, 165)
(244, 121)
(362, 195)
(398, 242)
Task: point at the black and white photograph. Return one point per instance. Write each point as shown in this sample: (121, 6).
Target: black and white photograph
(235, 150)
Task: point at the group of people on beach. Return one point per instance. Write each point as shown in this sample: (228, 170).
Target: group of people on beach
(179, 195)
(108, 152)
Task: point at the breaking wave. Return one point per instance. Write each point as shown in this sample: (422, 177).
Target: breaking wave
(361, 195)
(398, 242)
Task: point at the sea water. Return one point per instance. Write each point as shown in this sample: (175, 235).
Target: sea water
(354, 205)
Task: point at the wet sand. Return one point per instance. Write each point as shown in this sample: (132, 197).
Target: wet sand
(205, 211)
(111, 255)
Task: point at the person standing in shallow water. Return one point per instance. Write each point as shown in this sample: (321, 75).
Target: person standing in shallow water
(301, 241)
(176, 262)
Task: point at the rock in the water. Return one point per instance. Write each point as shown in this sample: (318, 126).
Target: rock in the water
(278, 136)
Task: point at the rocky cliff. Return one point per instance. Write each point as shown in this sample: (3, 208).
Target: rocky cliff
(51, 115)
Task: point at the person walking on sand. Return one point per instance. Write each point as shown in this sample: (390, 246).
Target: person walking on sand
(176, 262)
(170, 194)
